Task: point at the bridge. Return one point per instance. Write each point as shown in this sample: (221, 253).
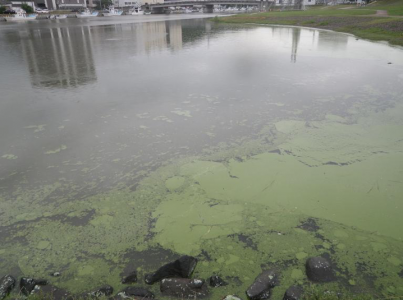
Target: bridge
(209, 4)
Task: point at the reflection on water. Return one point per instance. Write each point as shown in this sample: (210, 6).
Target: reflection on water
(59, 57)
(296, 34)
(327, 41)
(63, 57)
(183, 135)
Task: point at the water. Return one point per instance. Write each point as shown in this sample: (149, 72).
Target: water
(128, 141)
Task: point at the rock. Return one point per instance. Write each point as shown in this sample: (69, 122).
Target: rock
(55, 274)
(319, 269)
(131, 278)
(137, 292)
(260, 288)
(293, 293)
(231, 297)
(50, 292)
(309, 225)
(28, 284)
(184, 288)
(182, 267)
(106, 290)
(7, 283)
(216, 281)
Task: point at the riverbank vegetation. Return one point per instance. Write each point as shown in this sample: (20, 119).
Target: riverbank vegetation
(379, 21)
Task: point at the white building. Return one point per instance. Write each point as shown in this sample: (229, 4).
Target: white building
(295, 2)
(131, 3)
(309, 2)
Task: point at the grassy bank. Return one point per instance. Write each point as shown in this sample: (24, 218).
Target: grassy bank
(365, 22)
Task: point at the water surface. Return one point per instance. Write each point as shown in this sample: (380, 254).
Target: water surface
(126, 142)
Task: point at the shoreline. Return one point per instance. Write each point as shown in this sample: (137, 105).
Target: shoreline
(358, 22)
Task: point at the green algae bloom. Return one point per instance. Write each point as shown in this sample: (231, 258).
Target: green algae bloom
(330, 186)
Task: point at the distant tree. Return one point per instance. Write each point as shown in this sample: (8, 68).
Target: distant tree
(2, 9)
(27, 8)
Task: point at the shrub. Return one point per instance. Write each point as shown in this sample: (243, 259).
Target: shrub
(27, 8)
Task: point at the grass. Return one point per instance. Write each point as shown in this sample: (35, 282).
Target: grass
(360, 21)
(393, 7)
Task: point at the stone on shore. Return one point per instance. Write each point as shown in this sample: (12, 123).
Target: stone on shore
(319, 269)
(293, 293)
(216, 281)
(137, 292)
(28, 284)
(103, 291)
(131, 278)
(260, 288)
(7, 283)
(50, 292)
(184, 288)
(182, 268)
(231, 297)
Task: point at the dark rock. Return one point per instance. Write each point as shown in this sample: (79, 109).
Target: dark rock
(184, 288)
(131, 278)
(182, 267)
(50, 292)
(260, 288)
(319, 269)
(28, 284)
(216, 281)
(137, 292)
(400, 274)
(293, 293)
(262, 296)
(309, 225)
(7, 283)
(106, 290)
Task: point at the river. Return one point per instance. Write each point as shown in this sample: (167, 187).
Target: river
(126, 142)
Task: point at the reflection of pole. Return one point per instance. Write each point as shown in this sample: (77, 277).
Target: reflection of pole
(296, 33)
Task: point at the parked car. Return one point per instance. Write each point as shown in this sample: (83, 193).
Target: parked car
(9, 12)
(42, 10)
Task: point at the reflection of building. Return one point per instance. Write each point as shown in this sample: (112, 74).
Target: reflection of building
(155, 35)
(328, 40)
(290, 36)
(175, 35)
(138, 38)
(59, 57)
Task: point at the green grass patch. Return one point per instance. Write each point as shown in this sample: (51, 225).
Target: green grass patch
(383, 21)
(376, 34)
(393, 7)
(322, 11)
(358, 21)
(310, 22)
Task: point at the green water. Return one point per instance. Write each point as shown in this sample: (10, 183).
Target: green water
(130, 169)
